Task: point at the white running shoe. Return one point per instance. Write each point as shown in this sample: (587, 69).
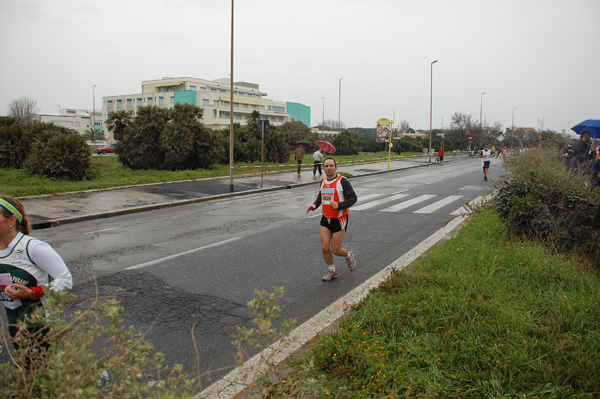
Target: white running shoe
(351, 261)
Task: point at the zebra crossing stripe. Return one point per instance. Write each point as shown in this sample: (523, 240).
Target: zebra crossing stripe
(378, 202)
(406, 204)
(367, 197)
(439, 204)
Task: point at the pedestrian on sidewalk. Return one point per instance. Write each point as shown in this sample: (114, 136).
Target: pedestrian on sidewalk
(441, 155)
(299, 156)
(486, 155)
(29, 268)
(318, 157)
(336, 196)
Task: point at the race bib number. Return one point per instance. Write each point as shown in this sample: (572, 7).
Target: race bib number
(6, 301)
(327, 195)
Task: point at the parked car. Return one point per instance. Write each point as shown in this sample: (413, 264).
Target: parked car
(109, 149)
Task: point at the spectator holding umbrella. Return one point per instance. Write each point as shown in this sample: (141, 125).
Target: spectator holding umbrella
(582, 154)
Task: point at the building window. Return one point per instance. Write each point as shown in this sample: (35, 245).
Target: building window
(205, 101)
(193, 87)
(139, 100)
(222, 91)
(172, 99)
(213, 89)
(216, 102)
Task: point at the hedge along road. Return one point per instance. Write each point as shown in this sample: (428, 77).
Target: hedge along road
(200, 263)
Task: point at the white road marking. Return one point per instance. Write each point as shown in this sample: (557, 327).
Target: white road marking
(377, 202)
(244, 375)
(439, 204)
(156, 261)
(406, 204)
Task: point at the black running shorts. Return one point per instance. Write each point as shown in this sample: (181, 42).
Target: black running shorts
(333, 224)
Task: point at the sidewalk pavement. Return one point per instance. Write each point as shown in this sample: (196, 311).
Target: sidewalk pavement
(50, 211)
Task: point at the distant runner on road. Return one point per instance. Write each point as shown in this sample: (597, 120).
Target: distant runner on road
(336, 196)
(486, 156)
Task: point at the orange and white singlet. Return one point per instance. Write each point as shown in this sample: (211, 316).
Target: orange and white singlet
(332, 191)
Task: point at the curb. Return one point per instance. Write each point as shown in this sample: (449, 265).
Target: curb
(242, 377)
(45, 224)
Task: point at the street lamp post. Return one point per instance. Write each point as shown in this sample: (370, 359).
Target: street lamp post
(430, 107)
(481, 109)
(323, 125)
(340, 107)
(512, 129)
(231, 110)
(94, 111)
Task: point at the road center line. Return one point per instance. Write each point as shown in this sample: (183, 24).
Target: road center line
(154, 262)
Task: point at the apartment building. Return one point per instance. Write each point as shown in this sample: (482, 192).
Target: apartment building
(213, 96)
(78, 120)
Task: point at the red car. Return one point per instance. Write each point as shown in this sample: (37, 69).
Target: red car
(109, 149)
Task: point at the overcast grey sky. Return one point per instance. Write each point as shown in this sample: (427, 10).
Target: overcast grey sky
(541, 57)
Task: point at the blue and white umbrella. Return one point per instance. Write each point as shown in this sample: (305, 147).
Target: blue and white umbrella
(590, 125)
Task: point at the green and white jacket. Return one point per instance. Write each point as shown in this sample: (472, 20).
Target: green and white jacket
(30, 262)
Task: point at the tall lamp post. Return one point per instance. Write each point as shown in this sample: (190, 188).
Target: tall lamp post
(430, 107)
(512, 130)
(231, 110)
(340, 107)
(481, 109)
(94, 110)
(323, 126)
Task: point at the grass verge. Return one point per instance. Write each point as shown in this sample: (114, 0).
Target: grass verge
(480, 316)
(17, 183)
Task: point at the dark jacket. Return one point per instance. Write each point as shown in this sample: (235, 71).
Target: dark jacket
(582, 156)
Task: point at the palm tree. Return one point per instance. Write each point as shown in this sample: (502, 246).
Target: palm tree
(117, 122)
(93, 135)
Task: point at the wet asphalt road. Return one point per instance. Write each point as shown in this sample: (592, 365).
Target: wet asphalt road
(155, 264)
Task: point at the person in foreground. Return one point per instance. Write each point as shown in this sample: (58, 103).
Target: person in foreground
(28, 269)
(336, 196)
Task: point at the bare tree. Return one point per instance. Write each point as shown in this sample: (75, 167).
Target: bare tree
(404, 126)
(330, 123)
(23, 109)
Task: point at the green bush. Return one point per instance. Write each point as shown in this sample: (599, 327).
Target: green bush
(60, 155)
(169, 139)
(345, 143)
(16, 141)
(76, 365)
(541, 200)
(248, 143)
